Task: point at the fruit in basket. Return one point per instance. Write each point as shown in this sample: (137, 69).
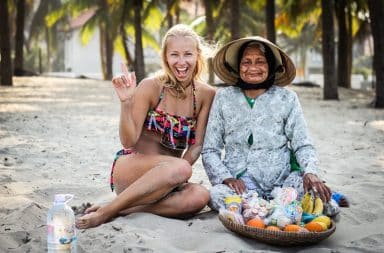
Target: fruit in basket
(273, 228)
(318, 207)
(292, 228)
(256, 222)
(307, 203)
(325, 219)
(316, 226)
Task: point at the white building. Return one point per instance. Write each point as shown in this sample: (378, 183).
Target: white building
(84, 60)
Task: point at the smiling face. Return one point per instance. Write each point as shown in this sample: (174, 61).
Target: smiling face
(181, 57)
(253, 66)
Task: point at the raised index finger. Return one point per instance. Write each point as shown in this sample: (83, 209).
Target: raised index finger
(124, 69)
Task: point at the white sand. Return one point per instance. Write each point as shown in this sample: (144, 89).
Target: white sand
(60, 136)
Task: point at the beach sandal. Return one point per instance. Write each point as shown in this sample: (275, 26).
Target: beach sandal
(340, 199)
(331, 209)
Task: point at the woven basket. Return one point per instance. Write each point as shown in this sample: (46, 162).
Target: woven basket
(278, 237)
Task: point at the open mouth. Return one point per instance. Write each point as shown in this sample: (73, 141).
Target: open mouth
(181, 72)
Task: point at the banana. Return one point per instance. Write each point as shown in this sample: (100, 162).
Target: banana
(307, 203)
(319, 207)
(325, 219)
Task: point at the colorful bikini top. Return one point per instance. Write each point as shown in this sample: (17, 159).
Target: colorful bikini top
(177, 131)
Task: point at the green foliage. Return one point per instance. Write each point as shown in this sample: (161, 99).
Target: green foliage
(152, 17)
(87, 31)
(365, 72)
(54, 16)
(118, 46)
(150, 41)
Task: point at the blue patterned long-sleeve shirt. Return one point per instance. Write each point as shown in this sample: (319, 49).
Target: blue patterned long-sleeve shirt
(277, 125)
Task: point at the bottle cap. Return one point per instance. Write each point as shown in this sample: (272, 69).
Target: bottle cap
(62, 198)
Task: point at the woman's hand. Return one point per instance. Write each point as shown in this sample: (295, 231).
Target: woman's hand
(124, 84)
(235, 184)
(312, 182)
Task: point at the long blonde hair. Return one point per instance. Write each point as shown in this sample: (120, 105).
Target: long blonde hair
(167, 78)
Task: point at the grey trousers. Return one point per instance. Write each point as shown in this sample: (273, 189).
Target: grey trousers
(220, 191)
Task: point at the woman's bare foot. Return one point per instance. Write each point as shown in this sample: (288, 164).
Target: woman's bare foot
(92, 209)
(94, 217)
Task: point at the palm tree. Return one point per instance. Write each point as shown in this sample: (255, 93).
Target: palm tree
(348, 14)
(344, 49)
(123, 33)
(270, 20)
(106, 18)
(235, 19)
(376, 12)
(139, 55)
(39, 29)
(297, 24)
(19, 40)
(210, 35)
(328, 46)
(5, 46)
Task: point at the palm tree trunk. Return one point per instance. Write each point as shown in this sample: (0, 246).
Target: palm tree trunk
(139, 55)
(102, 51)
(5, 46)
(210, 35)
(350, 46)
(344, 48)
(48, 44)
(376, 13)
(235, 19)
(108, 55)
(106, 52)
(169, 16)
(270, 20)
(177, 14)
(124, 37)
(328, 46)
(19, 40)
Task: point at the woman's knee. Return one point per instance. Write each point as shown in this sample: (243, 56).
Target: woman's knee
(180, 170)
(197, 197)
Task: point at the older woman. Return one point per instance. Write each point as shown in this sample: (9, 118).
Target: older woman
(258, 124)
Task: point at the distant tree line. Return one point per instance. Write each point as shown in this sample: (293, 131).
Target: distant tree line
(122, 24)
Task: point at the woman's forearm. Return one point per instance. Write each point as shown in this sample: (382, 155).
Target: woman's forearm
(193, 153)
(127, 127)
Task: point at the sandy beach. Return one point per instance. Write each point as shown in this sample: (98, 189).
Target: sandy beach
(59, 135)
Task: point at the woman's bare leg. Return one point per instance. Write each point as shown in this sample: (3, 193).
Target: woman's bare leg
(178, 204)
(140, 180)
(185, 202)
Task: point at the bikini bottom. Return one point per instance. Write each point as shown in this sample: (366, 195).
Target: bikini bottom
(124, 151)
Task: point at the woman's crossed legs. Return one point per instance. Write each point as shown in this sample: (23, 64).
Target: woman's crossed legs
(146, 183)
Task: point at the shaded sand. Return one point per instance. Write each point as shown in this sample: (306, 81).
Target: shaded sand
(60, 136)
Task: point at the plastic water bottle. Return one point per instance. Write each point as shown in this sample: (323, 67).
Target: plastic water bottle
(61, 226)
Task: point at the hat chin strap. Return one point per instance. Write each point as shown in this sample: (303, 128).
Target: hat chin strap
(229, 67)
(256, 86)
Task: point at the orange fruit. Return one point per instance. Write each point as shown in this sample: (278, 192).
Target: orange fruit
(315, 226)
(273, 228)
(256, 222)
(292, 228)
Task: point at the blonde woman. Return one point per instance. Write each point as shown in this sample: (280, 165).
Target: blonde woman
(162, 126)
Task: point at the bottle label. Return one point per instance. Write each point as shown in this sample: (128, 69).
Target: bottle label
(62, 236)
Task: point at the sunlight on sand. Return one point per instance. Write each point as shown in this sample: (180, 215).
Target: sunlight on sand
(19, 108)
(377, 124)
